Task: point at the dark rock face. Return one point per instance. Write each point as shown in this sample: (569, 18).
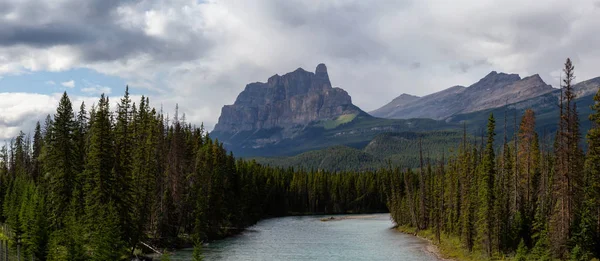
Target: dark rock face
(289, 101)
(492, 91)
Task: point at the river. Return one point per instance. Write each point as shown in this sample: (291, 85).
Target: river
(364, 237)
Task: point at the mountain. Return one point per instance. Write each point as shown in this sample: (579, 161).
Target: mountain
(288, 101)
(492, 91)
(301, 111)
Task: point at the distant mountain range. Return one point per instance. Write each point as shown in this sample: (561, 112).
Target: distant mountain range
(301, 111)
(492, 91)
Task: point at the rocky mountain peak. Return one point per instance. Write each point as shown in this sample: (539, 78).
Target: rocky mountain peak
(533, 80)
(293, 99)
(405, 97)
(495, 79)
(321, 70)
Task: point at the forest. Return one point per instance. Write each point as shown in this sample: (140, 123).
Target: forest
(531, 199)
(102, 184)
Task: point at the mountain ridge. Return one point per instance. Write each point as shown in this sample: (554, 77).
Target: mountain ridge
(493, 90)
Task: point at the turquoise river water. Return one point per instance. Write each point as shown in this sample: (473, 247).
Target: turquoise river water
(358, 237)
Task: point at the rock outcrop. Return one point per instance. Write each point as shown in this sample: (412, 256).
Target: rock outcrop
(286, 102)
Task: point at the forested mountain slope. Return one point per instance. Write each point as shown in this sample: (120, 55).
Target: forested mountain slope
(394, 149)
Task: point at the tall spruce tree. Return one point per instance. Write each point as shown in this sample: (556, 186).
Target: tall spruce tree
(568, 172)
(485, 217)
(103, 222)
(60, 161)
(122, 170)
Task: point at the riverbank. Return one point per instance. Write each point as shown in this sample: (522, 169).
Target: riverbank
(449, 249)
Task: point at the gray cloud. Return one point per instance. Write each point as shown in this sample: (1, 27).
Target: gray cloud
(201, 54)
(93, 28)
(464, 66)
(43, 35)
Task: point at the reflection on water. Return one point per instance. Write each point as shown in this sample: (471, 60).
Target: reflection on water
(308, 238)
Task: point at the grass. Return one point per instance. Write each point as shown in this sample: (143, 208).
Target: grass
(450, 246)
(332, 124)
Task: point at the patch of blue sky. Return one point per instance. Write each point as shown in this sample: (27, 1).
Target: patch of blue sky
(80, 81)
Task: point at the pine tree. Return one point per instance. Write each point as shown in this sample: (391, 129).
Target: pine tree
(197, 254)
(529, 169)
(38, 144)
(568, 168)
(485, 217)
(60, 161)
(122, 170)
(101, 215)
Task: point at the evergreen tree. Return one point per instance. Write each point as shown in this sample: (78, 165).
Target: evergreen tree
(60, 162)
(100, 186)
(568, 168)
(38, 144)
(485, 217)
(122, 170)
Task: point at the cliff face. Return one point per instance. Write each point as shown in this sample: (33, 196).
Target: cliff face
(289, 101)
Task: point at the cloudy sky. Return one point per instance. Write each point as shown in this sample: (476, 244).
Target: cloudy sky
(201, 54)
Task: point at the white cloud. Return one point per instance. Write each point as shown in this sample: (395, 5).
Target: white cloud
(69, 84)
(50, 83)
(20, 111)
(96, 89)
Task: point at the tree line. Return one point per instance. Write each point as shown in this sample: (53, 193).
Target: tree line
(99, 185)
(532, 198)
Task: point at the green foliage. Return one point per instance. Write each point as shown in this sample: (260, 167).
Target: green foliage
(541, 249)
(521, 252)
(105, 239)
(579, 254)
(165, 257)
(342, 119)
(197, 255)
